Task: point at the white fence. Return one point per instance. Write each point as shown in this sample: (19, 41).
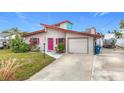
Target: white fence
(120, 42)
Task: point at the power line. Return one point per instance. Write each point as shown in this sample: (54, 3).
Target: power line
(111, 22)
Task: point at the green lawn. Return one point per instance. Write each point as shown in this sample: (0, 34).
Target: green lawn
(34, 62)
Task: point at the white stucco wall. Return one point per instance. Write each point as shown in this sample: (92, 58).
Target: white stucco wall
(90, 39)
(91, 45)
(120, 42)
(41, 36)
(51, 33)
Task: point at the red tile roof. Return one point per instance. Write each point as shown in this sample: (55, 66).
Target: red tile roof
(33, 33)
(69, 31)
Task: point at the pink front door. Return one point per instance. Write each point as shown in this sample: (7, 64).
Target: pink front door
(50, 44)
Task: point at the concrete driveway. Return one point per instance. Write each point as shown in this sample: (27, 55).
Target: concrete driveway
(75, 67)
(109, 65)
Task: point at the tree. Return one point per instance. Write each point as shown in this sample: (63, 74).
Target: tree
(114, 31)
(17, 45)
(117, 33)
(5, 31)
(122, 24)
(12, 31)
(109, 31)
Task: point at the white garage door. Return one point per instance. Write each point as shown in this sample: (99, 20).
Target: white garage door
(78, 45)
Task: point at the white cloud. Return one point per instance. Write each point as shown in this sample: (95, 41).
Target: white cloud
(104, 13)
(100, 13)
(22, 17)
(5, 21)
(96, 14)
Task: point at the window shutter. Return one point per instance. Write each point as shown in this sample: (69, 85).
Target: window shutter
(30, 40)
(56, 41)
(38, 41)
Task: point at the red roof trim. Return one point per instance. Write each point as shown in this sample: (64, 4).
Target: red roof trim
(33, 33)
(61, 23)
(63, 30)
(70, 31)
(41, 31)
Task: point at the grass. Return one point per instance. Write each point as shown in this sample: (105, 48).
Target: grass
(32, 62)
(8, 68)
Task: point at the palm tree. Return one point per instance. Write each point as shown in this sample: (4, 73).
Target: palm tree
(117, 33)
(12, 31)
(15, 30)
(122, 24)
(5, 31)
(109, 31)
(114, 31)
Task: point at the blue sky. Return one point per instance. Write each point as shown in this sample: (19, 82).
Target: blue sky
(29, 21)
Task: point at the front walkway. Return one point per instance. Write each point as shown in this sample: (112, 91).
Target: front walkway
(68, 67)
(54, 54)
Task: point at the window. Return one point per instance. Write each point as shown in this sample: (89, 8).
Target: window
(34, 40)
(61, 40)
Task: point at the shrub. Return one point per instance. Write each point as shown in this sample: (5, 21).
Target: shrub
(35, 48)
(8, 68)
(17, 45)
(24, 47)
(60, 48)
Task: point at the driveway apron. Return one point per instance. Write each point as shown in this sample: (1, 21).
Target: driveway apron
(70, 67)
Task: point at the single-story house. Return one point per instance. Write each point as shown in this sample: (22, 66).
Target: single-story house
(3, 39)
(74, 41)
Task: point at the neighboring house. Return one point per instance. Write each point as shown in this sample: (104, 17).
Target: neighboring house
(120, 40)
(4, 36)
(122, 32)
(3, 39)
(52, 35)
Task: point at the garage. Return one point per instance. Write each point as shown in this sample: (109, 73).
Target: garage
(78, 45)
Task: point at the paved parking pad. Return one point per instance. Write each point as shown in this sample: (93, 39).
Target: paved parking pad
(70, 67)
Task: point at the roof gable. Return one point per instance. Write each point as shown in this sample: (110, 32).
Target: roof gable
(68, 31)
(33, 33)
(66, 21)
(54, 26)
